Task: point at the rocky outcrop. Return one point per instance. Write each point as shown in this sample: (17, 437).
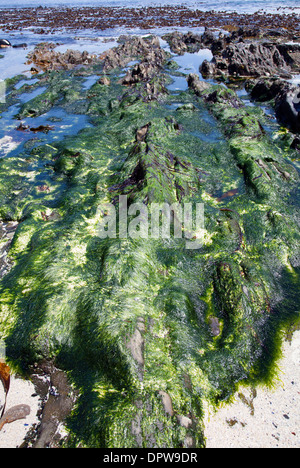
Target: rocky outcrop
(148, 72)
(180, 43)
(44, 57)
(190, 42)
(248, 59)
(286, 99)
(133, 48)
(288, 108)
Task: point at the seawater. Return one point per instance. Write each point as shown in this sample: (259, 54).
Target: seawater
(242, 6)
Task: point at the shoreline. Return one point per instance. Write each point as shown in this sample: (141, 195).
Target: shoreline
(48, 19)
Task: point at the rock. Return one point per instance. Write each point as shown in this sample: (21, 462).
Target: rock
(288, 108)
(180, 43)
(4, 44)
(248, 59)
(134, 48)
(104, 81)
(286, 97)
(291, 54)
(208, 37)
(214, 326)
(196, 84)
(249, 32)
(141, 72)
(296, 144)
(44, 57)
(254, 60)
(184, 421)
(167, 403)
(208, 68)
(265, 89)
(20, 46)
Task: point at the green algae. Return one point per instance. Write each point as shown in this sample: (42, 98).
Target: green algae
(129, 319)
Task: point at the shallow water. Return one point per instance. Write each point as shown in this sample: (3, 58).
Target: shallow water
(26, 97)
(248, 6)
(62, 124)
(188, 63)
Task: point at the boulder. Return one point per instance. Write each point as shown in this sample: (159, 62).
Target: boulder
(180, 43)
(248, 59)
(4, 44)
(264, 90)
(286, 98)
(288, 108)
(196, 84)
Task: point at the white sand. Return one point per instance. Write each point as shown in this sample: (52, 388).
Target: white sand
(12, 435)
(273, 419)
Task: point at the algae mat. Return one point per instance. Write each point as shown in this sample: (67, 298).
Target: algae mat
(146, 328)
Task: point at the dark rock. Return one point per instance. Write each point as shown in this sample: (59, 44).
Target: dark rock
(288, 108)
(20, 46)
(265, 89)
(296, 144)
(286, 97)
(208, 68)
(208, 37)
(254, 32)
(291, 54)
(4, 44)
(180, 43)
(248, 59)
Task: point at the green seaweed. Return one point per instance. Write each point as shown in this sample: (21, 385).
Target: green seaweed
(129, 319)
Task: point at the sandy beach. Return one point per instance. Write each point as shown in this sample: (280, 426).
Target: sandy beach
(263, 418)
(21, 392)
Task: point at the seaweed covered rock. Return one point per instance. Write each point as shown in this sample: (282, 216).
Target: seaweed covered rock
(264, 169)
(147, 74)
(147, 326)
